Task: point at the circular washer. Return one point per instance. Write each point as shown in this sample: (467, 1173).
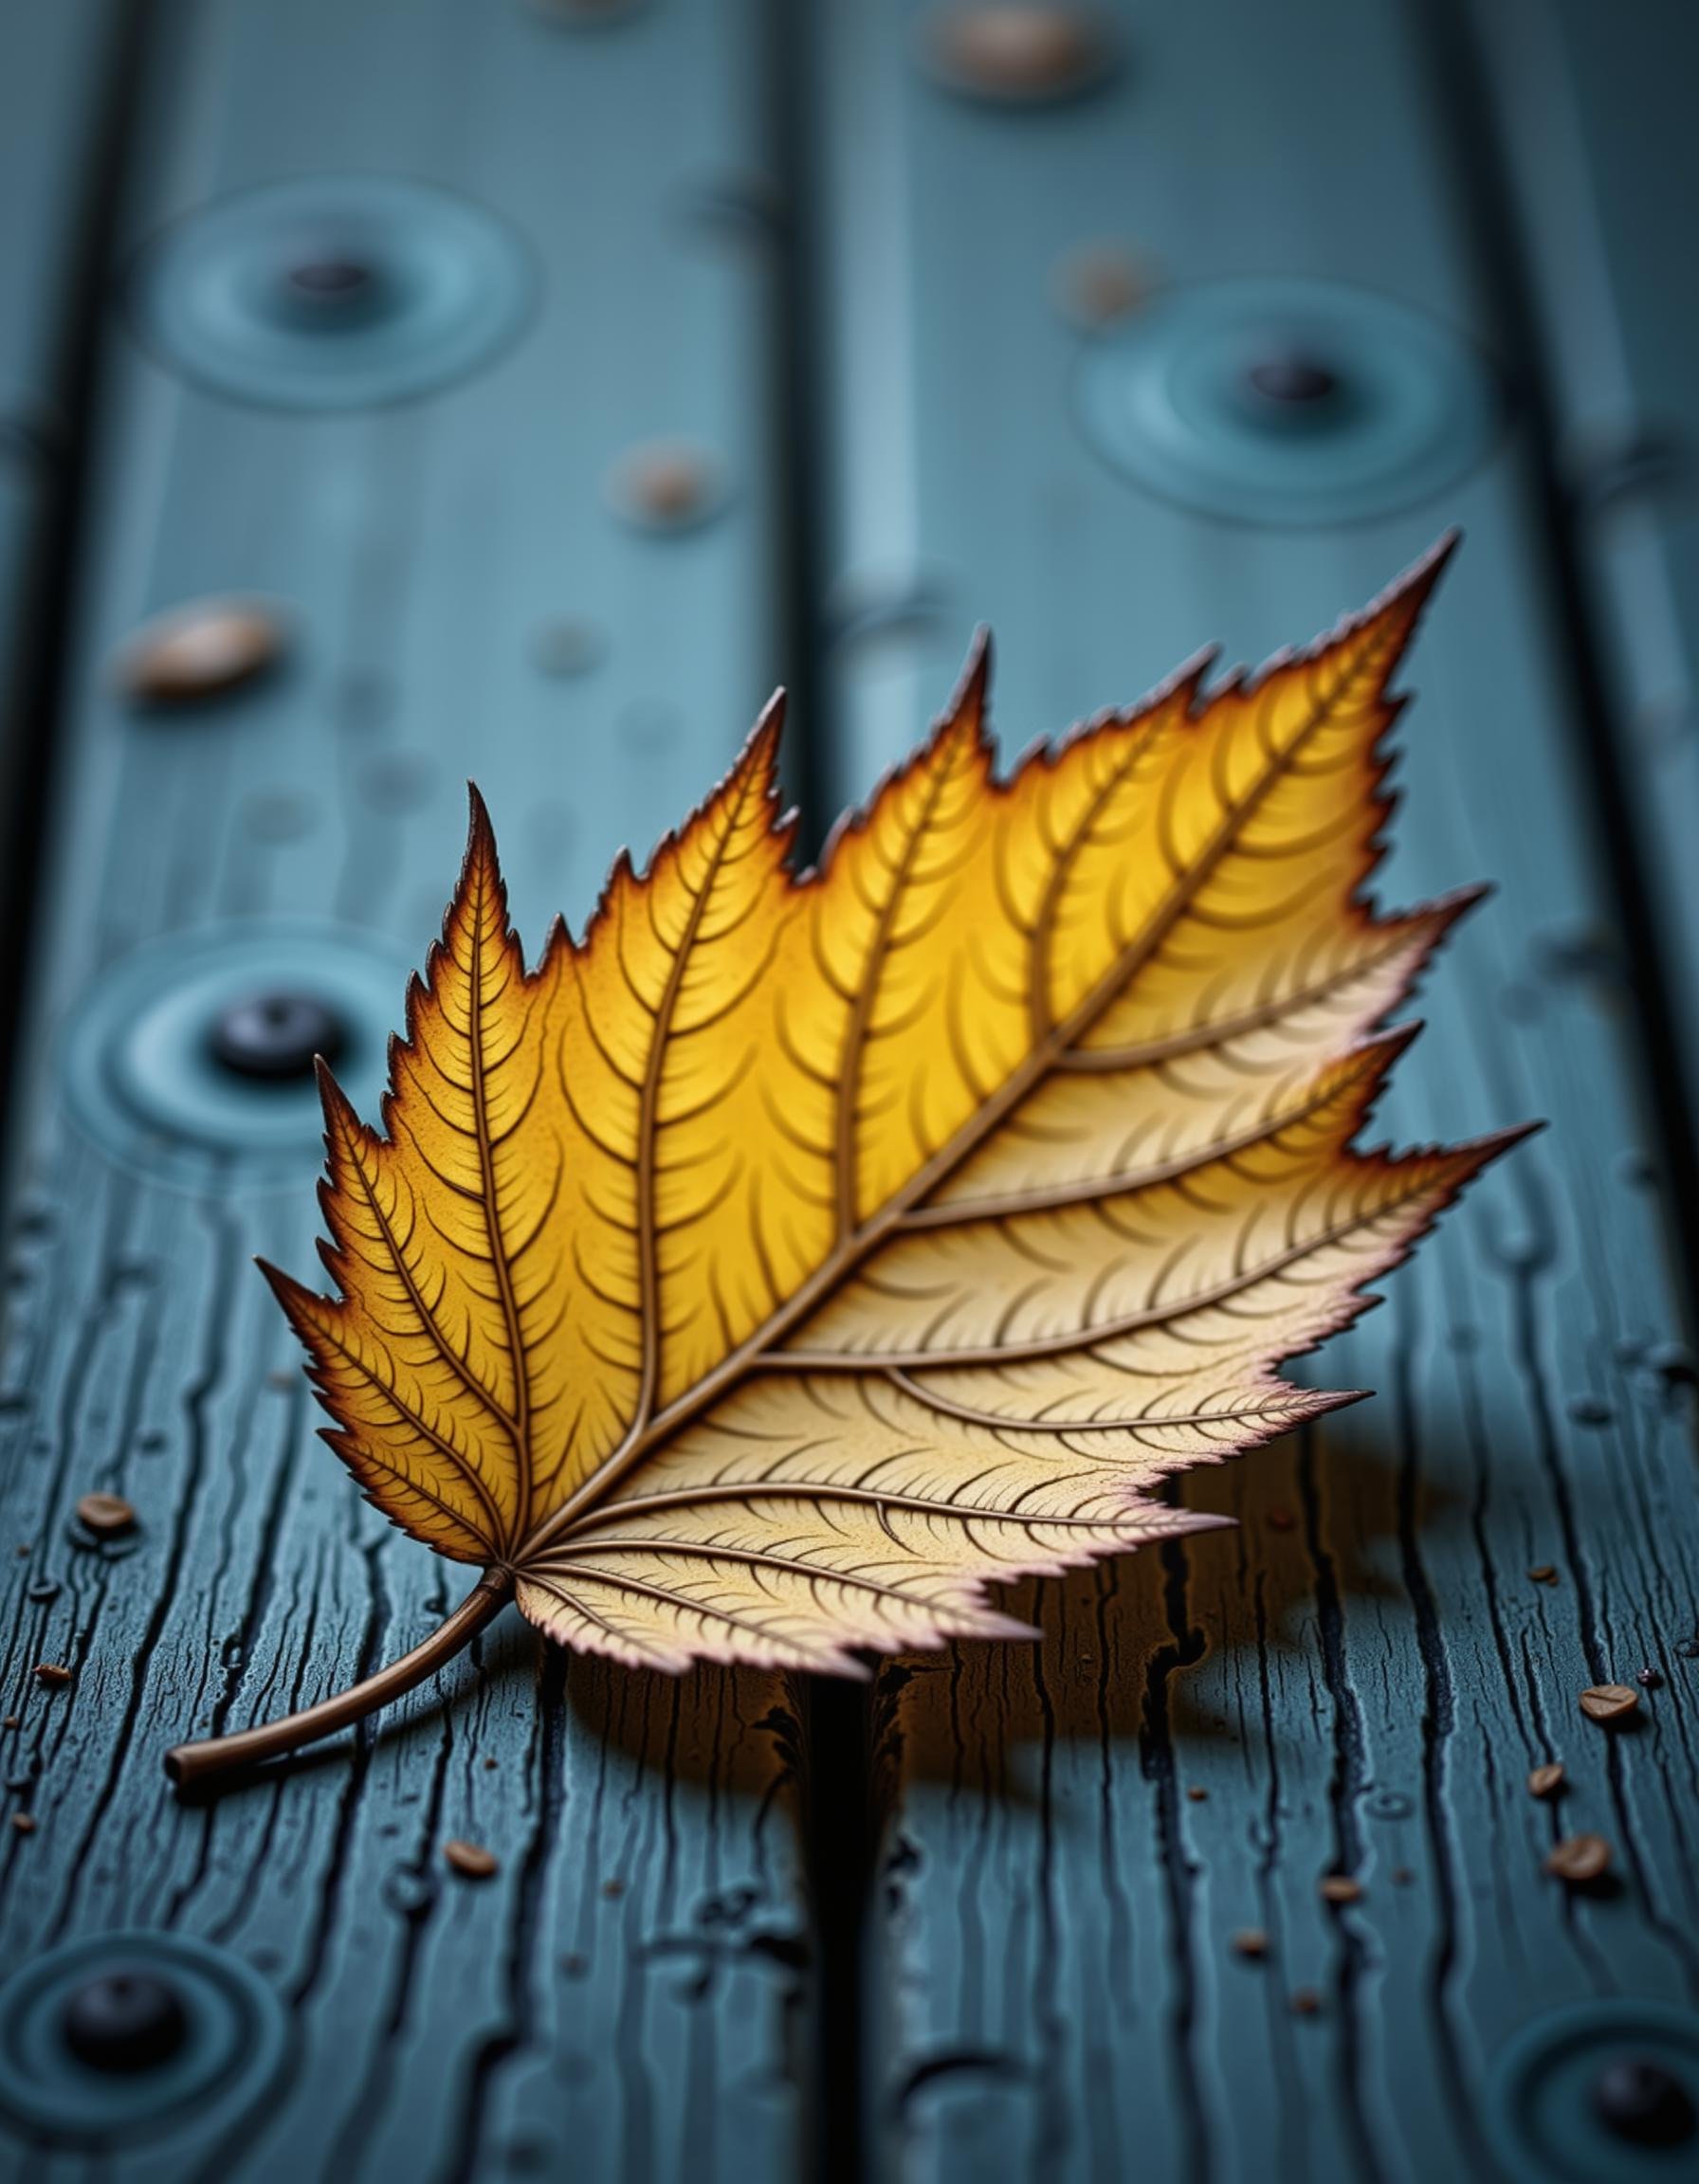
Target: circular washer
(142, 1070)
(1542, 2112)
(230, 2043)
(1287, 402)
(332, 294)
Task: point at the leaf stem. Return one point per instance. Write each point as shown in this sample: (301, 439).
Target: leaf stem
(215, 1755)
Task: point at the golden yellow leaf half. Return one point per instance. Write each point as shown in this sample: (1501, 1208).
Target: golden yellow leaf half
(768, 1272)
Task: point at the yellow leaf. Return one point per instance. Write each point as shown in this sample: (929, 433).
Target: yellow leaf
(772, 1270)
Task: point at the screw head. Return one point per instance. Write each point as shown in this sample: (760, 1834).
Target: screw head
(329, 277)
(331, 285)
(1293, 380)
(124, 2020)
(275, 1037)
(1644, 2102)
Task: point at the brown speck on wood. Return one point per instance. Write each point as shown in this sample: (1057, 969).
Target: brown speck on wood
(105, 1513)
(1544, 1574)
(1306, 2002)
(492, 1763)
(1251, 1941)
(1016, 53)
(1579, 1859)
(1341, 1889)
(1609, 1701)
(663, 486)
(200, 650)
(1548, 1780)
(12, 1722)
(1198, 1793)
(471, 1861)
(23, 1823)
(52, 1672)
(614, 1887)
(1096, 283)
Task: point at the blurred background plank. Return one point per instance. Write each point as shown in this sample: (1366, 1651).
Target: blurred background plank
(62, 90)
(1590, 130)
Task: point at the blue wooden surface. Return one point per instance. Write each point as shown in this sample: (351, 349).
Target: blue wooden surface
(1366, 1691)
(1596, 126)
(1359, 1679)
(54, 92)
(622, 1994)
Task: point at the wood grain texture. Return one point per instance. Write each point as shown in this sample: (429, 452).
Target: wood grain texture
(624, 1995)
(57, 99)
(1359, 1679)
(1593, 155)
(1357, 1682)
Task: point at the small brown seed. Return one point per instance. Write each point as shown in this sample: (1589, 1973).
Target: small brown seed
(1198, 1793)
(492, 1763)
(1251, 1941)
(200, 650)
(1579, 1859)
(1018, 54)
(105, 1513)
(12, 1722)
(1544, 1574)
(471, 1861)
(1306, 2002)
(1609, 1701)
(1098, 284)
(1341, 1889)
(1548, 1780)
(613, 1889)
(52, 1672)
(23, 1823)
(663, 486)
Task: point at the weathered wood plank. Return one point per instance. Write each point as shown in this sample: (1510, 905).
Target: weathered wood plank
(1359, 1680)
(55, 72)
(622, 1998)
(1591, 117)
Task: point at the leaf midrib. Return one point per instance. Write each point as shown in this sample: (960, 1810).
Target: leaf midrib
(1033, 1067)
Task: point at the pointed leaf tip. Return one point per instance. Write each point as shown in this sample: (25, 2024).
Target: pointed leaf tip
(481, 833)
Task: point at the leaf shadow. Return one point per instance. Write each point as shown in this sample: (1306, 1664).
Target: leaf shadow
(1322, 1519)
(1173, 1650)
(730, 1731)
